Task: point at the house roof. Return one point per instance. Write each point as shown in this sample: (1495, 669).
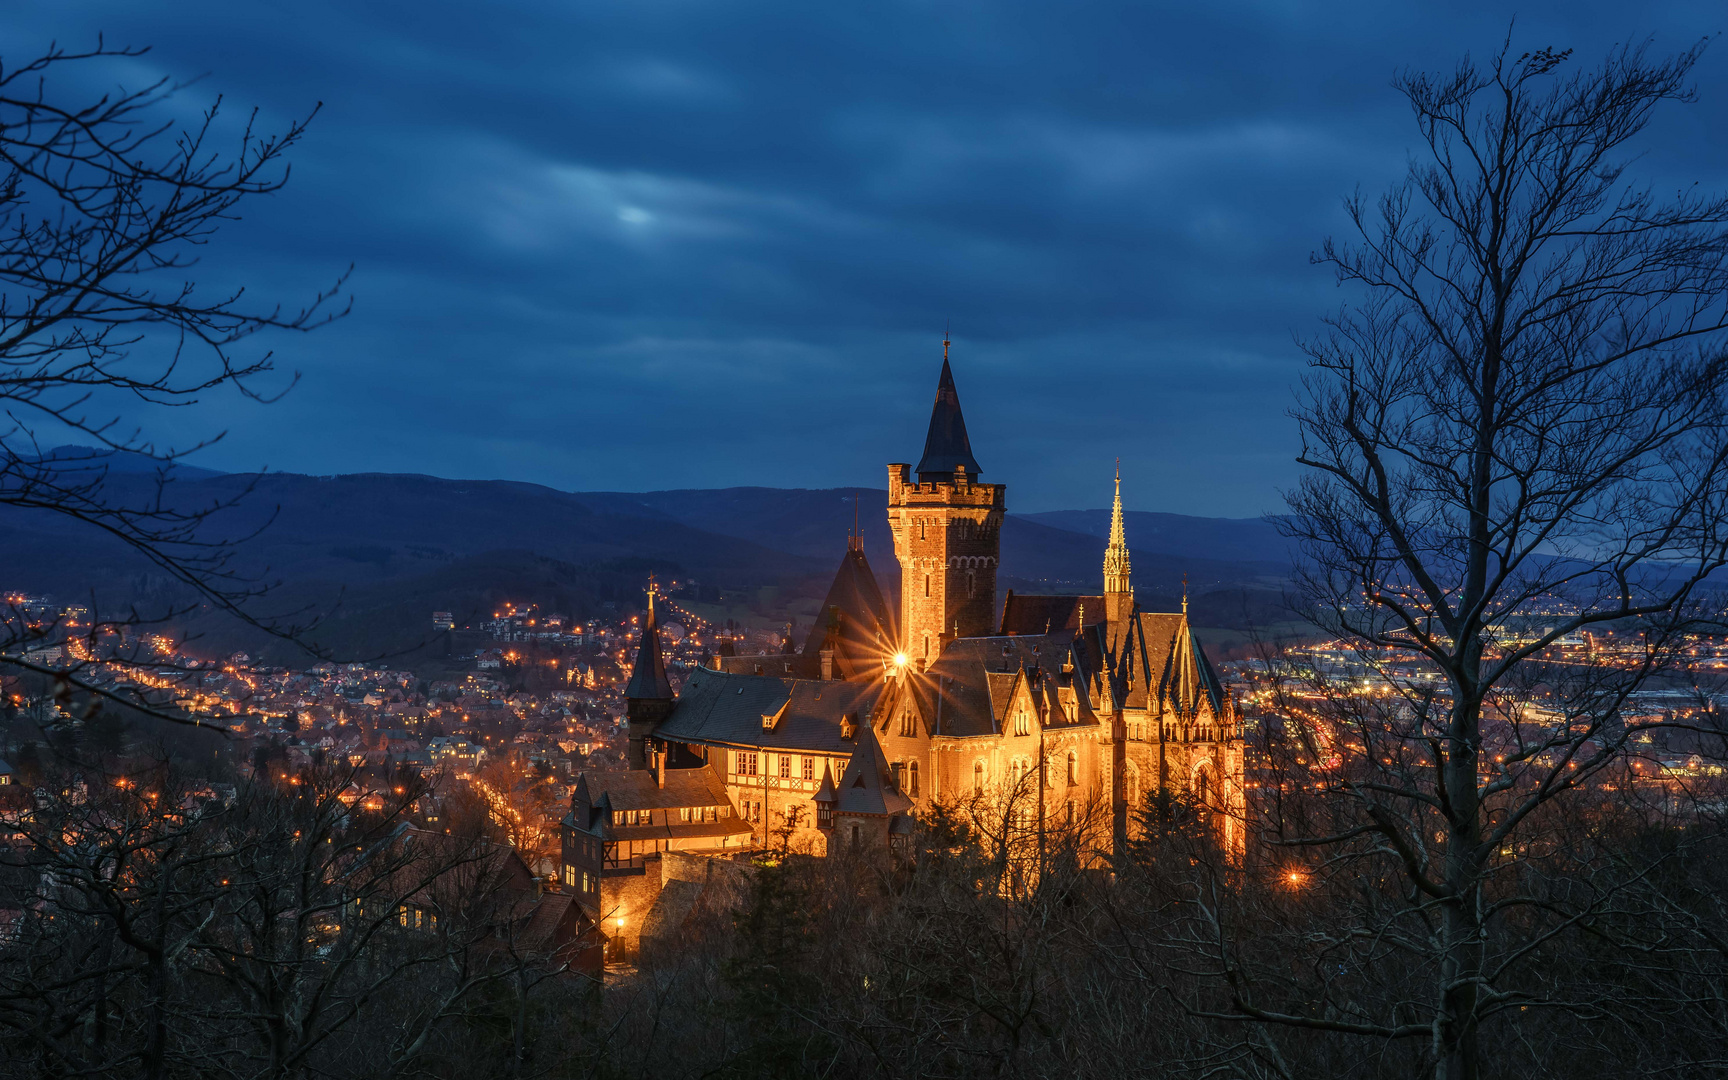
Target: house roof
(635, 789)
(1048, 614)
(946, 446)
(718, 707)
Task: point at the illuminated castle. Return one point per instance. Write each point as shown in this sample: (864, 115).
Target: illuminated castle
(1071, 707)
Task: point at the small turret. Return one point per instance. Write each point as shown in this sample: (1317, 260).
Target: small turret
(648, 695)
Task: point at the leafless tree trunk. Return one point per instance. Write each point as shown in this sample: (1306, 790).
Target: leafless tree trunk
(1515, 435)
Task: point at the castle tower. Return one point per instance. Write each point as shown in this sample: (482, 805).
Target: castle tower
(947, 534)
(648, 695)
(1118, 575)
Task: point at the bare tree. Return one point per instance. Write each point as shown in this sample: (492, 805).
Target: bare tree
(1515, 436)
(106, 202)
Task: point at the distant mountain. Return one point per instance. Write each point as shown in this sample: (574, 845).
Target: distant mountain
(1228, 539)
(390, 545)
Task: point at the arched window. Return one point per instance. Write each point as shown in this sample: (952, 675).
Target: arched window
(912, 779)
(1073, 773)
(1131, 786)
(971, 583)
(908, 727)
(978, 777)
(1022, 722)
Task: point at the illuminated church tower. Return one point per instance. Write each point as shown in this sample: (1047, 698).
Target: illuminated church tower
(947, 534)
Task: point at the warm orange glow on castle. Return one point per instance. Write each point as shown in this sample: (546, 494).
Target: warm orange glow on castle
(1071, 708)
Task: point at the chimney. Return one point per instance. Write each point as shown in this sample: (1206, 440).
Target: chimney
(827, 664)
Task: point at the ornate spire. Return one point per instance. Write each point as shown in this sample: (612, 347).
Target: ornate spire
(1117, 572)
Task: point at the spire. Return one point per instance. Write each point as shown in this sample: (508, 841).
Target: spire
(946, 447)
(648, 679)
(1118, 574)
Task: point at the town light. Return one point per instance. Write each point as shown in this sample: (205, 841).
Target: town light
(900, 659)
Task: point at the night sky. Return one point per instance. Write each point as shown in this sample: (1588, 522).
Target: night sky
(699, 244)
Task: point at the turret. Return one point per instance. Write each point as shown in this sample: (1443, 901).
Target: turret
(648, 696)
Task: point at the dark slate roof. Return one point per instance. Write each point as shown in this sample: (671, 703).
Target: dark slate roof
(865, 787)
(866, 627)
(1168, 667)
(967, 690)
(635, 789)
(648, 678)
(1048, 614)
(946, 447)
(718, 707)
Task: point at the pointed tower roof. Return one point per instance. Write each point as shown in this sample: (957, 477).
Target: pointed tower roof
(825, 793)
(864, 787)
(1118, 574)
(866, 629)
(648, 678)
(946, 447)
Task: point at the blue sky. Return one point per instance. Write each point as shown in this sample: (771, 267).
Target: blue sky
(671, 243)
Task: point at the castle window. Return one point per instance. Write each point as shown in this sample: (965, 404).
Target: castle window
(785, 766)
(926, 584)
(1073, 777)
(1022, 722)
(824, 815)
(920, 536)
(898, 771)
(907, 727)
(971, 583)
(912, 779)
(926, 645)
(809, 768)
(854, 836)
(746, 762)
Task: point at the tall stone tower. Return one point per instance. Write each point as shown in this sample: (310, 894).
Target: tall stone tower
(947, 534)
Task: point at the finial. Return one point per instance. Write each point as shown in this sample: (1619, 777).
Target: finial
(1184, 594)
(945, 340)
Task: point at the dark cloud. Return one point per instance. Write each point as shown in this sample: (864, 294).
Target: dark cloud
(689, 243)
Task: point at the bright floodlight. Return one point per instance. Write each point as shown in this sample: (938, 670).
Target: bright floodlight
(900, 659)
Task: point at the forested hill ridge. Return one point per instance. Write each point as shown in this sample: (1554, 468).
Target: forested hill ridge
(407, 541)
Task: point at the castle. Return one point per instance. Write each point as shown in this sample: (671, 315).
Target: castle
(1072, 708)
